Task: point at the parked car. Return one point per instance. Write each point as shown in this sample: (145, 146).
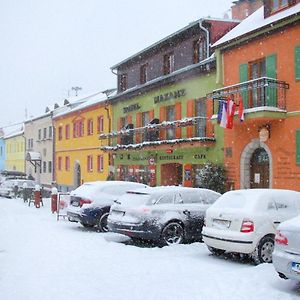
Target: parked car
(245, 221)
(7, 187)
(169, 215)
(286, 255)
(90, 203)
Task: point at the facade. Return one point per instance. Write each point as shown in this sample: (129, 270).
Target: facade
(161, 134)
(15, 151)
(261, 68)
(38, 133)
(78, 158)
(244, 8)
(2, 150)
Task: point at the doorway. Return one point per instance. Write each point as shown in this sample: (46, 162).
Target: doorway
(77, 175)
(259, 169)
(171, 174)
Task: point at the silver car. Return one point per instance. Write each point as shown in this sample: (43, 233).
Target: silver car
(286, 255)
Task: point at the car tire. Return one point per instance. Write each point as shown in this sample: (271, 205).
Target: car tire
(172, 234)
(215, 251)
(102, 222)
(264, 250)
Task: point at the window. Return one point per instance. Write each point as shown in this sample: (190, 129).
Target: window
(143, 73)
(168, 63)
(40, 134)
(60, 133)
(200, 107)
(50, 166)
(1, 151)
(45, 133)
(90, 163)
(67, 131)
(90, 127)
(44, 166)
(67, 163)
(145, 120)
(59, 163)
(100, 162)
(170, 116)
(123, 82)
(297, 62)
(100, 124)
(199, 50)
(278, 4)
(78, 128)
(50, 132)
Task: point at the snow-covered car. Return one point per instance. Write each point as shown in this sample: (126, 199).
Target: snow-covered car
(245, 221)
(286, 255)
(90, 203)
(169, 214)
(8, 187)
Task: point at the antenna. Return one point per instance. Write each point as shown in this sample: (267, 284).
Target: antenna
(76, 89)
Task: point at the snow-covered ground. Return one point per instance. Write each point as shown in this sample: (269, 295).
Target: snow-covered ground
(41, 258)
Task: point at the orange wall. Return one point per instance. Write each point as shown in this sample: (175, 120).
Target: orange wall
(286, 173)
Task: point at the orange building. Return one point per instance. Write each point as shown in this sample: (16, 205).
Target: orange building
(261, 68)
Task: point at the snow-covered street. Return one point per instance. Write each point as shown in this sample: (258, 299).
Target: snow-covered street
(41, 258)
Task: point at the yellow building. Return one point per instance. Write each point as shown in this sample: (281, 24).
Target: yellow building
(15, 151)
(78, 157)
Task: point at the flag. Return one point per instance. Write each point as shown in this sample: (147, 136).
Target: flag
(220, 110)
(230, 113)
(223, 120)
(241, 109)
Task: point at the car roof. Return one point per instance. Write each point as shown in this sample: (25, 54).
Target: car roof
(111, 183)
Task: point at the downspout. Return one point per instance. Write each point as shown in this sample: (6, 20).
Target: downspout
(207, 36)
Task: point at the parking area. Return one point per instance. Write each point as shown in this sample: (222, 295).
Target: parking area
(41, 257)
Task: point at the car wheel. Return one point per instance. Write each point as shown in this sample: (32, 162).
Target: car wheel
(216, 251)
(264, 250)
(102, 223)
(172, 233)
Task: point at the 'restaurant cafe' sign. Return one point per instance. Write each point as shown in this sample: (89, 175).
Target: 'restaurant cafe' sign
(170, 96)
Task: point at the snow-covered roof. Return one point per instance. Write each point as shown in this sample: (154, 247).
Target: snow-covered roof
(256, 21)
(13, 130)
(33, 156)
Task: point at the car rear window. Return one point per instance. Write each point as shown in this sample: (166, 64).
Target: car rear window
(233, 200)
(134, 199)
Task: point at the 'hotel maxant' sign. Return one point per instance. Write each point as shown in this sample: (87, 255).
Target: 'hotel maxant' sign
(170, 96)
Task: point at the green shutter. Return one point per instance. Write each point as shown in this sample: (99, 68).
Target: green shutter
(298, 146)
(297, 62)
(271, 71)
(244, 77)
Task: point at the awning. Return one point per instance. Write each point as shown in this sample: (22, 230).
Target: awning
(33, 156)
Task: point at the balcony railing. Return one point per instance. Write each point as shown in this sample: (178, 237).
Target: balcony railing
(260, 92)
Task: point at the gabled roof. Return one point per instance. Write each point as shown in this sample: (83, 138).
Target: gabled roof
(255, 22)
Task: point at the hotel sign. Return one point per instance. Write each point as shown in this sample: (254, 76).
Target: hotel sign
(131, 107)
(170, 96)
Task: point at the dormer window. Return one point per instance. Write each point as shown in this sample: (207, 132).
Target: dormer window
(168, 63)
(143, 73)
(278, 4)
(199, 50)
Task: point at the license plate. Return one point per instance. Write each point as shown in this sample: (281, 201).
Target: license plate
(296, 267)
(221, 223)
(118, 213)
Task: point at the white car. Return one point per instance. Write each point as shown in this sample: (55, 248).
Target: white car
(286, 255)
(8, 187)
(245, 221)
(90, 203)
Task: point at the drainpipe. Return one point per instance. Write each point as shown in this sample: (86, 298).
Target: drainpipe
(207, 36)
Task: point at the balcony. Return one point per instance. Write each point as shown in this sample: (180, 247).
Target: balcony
(154, 134)
(262, 97)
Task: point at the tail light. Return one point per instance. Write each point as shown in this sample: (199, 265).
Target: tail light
(247, 226)
(84, 201)
(281, 239)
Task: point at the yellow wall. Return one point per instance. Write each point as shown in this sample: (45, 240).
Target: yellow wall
(78, 148)
(15, 153)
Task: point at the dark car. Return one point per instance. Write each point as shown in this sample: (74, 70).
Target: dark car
(90, 203)
(168, 215)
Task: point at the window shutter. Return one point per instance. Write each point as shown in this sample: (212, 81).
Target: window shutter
(178, 117)
(271, 71)
(298, 146)
(138, 124)
(190, 112)
(162, 117)
(297, 62)
(243, 71)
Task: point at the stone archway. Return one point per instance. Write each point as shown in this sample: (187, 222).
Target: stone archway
(245, 163)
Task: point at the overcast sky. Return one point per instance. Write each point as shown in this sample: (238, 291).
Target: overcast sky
(49, 46)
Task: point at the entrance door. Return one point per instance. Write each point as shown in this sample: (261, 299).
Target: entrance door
(77, 175)
(171, 174)
(259, 169)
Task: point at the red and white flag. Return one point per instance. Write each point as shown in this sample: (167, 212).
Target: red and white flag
(230, 113)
